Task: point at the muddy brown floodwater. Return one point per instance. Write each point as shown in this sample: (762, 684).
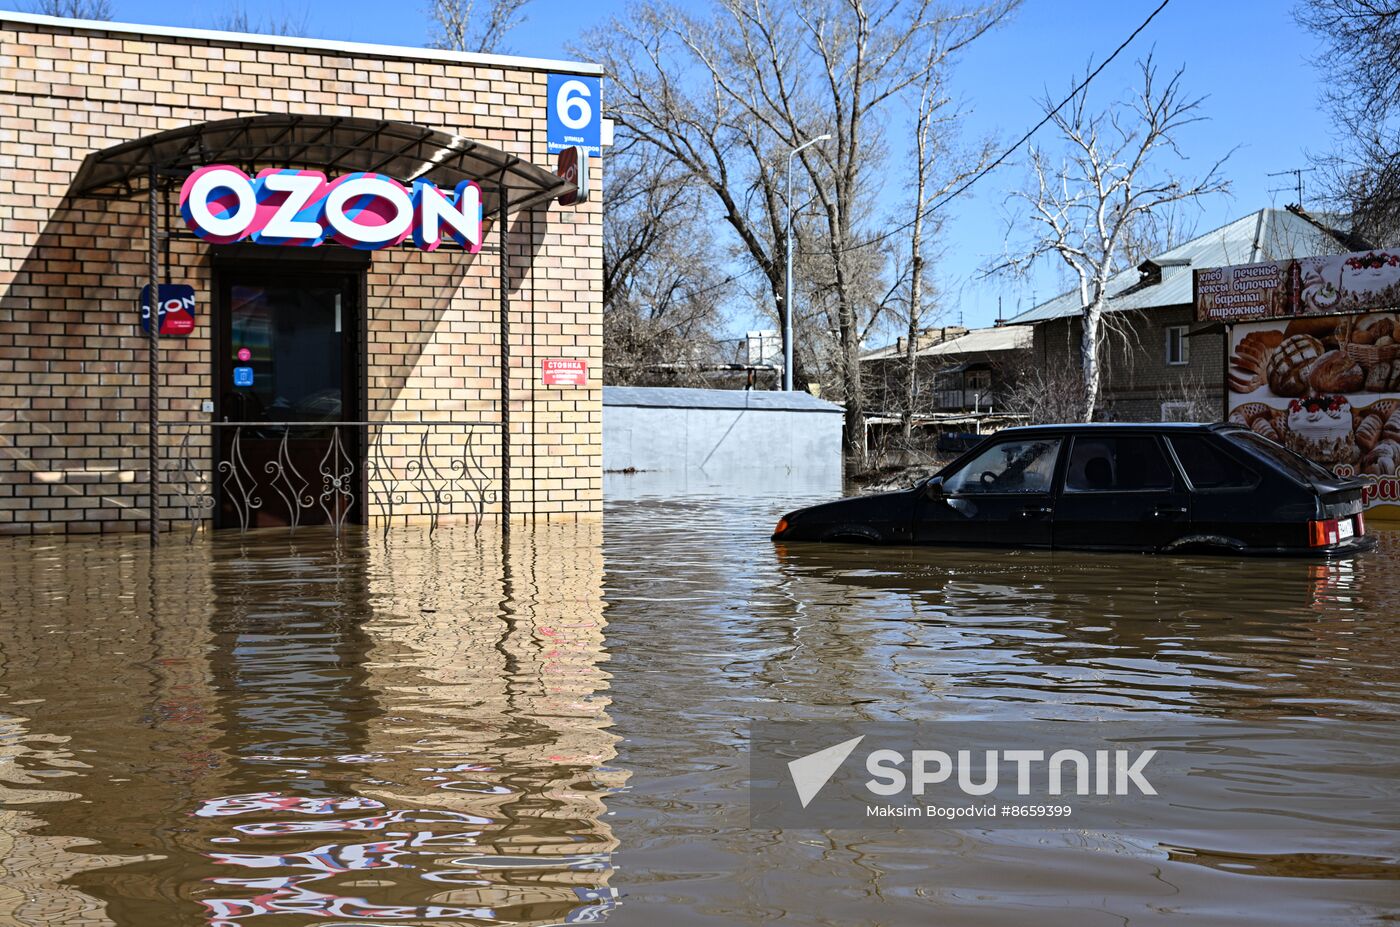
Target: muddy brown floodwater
(448, 730)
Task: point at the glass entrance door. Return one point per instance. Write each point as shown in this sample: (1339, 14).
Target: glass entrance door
(288, 368)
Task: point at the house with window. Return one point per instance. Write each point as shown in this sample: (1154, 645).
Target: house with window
(956, 370)
(1158, 364)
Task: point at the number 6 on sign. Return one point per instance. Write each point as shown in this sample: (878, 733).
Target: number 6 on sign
(574, 104)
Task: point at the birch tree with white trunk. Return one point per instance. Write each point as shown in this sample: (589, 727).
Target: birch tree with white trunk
(1085, 202)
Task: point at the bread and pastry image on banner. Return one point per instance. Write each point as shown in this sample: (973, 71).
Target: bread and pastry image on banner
(1327, 387)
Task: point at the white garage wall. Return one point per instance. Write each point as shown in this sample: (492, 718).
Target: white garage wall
(717, 432)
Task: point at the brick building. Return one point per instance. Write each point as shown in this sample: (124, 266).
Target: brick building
(333, 384)
(1164, 367)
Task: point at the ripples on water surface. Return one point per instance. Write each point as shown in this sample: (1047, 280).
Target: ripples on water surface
(264, 731)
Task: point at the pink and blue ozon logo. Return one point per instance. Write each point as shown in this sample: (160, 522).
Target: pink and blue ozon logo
(367, 211)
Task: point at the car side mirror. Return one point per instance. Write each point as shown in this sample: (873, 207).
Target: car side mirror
(932, 488)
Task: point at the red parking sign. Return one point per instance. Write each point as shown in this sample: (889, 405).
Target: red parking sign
(564, 371)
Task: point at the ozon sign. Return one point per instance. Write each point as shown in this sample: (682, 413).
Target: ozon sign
(222, 204)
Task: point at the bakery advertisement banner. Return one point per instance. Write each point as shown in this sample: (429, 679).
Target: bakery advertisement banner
(1327, 387)
(1363, 281)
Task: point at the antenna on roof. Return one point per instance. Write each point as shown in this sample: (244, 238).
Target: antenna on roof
(1297, 173)
(998, 309)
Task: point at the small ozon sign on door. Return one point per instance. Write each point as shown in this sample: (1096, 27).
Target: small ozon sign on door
(564, 371)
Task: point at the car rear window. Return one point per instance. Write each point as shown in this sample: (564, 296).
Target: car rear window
(1102, 463)
(1295, 464)
(1209, 467)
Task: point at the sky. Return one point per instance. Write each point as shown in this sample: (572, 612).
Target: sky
(1253, 64)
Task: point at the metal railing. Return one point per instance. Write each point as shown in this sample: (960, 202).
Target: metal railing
(426, 469)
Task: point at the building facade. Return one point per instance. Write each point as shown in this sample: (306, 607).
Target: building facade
(1157, 363)
(957, 370)
(334, 384)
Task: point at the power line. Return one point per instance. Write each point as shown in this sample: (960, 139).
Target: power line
(1019, 142)
(962, 188)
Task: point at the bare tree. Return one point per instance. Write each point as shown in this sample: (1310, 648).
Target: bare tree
(1360, 69)
(236, 18)
(1194, 398)
(74, 9)
(1044, 395)
(1086, 206)
(460, 26)
(931, 100)
(937, 170)
(727, 96)
(661, 309)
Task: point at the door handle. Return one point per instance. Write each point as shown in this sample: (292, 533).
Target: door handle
(1035, 512)
(1168, 511)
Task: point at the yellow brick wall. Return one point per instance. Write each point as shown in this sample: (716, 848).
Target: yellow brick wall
(72, 357)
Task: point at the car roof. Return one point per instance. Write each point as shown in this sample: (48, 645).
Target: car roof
(1102, 427)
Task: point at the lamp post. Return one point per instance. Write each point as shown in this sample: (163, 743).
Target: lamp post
(787, 279)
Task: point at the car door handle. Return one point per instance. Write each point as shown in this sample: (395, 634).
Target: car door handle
(1034, 512)
(1168, 511)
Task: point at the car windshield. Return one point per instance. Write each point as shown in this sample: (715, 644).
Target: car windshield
(1296, 465)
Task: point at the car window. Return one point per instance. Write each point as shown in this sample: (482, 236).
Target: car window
(1295, 464)
(1025, 465)
(1209, 467)
(1112, 463)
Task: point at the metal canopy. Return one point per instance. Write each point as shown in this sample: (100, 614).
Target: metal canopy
(332, 144)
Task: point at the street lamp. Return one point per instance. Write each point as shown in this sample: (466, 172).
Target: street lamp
(787, 280)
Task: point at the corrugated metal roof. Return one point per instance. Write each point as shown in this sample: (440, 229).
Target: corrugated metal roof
(936, 335)
(1000, 338)
(339, 144)
(1264, 235)
(669, 397)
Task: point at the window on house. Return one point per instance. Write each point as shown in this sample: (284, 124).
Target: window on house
(1176, 345)
(978, 380)
(1177, 411)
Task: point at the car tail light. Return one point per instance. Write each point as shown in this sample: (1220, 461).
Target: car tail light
(1322, 533)
(1360, 524)
(782, 527)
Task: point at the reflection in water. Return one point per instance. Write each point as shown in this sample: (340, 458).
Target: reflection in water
(269, 731)
(837, 632)
(427, 731)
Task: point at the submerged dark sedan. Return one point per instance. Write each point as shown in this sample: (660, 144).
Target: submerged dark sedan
(1143, 487)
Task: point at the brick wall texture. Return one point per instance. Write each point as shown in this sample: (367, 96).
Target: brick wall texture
(1137, 379)
(72, 357)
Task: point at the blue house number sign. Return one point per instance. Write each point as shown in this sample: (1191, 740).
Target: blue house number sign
(575, 113)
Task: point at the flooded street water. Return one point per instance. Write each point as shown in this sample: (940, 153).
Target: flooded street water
(447, 729)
